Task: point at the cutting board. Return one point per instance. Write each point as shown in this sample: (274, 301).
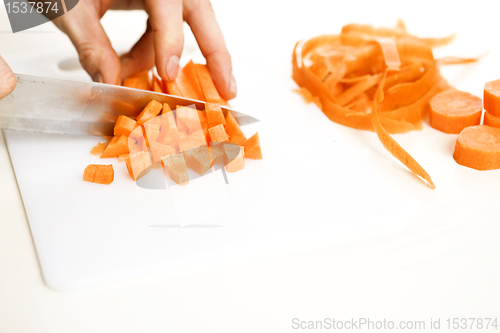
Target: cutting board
(312, 184)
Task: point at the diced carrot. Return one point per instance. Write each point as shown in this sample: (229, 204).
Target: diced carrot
(210, 93)
(492, 97)
(233, 130)
(138, 164)
(160, 151)
(116, 147)
(452, 111)
(151, 132)
(99, 148)
(173, 88)
(124, 126)
(150, 111)
(218, 134)
(252, 147)
(177, 168)
(191, 74)
(478, 147)
(204, 124)
(100, 174)
(169, 135)
(491, 120)
(166, 108)
(214, 113)
(234, 157)
(123, 157)
(193, 140)
(216, 153)
(189, 117)
(198, 159)
(183, 134)
(182, 87)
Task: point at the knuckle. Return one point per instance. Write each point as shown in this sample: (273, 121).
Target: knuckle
(197, 7)
(88, 55)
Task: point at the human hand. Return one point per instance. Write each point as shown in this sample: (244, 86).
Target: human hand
(161, 44)
(7, 79)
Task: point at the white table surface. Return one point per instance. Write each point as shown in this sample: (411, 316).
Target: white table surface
(437, 267)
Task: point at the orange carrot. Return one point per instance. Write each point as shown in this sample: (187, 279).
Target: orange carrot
(233, 130)
(452, 111)
(214, 113)
(150, 111)
(177, 168)
(157, 84)
(252, 147)
(218, 134)
(169, 134)
(234, 157)
(116, 147)
(199, 159)
(138, 164)
(478, 147)
(191, 73)
(160, 151)
(100, 174)
(189, 117)
(210, 93)
(99, 148)
(124, 126)
(492, 97)
(138, 81)
(491, 120)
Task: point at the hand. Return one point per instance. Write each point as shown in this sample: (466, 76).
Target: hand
(7, 79)
(161, 44)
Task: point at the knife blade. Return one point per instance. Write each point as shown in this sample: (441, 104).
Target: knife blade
(49, 105)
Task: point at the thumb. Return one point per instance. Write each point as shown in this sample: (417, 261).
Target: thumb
(7, 79)
(95, 51)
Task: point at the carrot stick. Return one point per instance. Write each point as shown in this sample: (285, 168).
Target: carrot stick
(207, 85)
(478, 147)
(191, 74)
(452, 111)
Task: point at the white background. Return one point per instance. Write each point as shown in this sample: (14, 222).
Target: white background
(441, 266)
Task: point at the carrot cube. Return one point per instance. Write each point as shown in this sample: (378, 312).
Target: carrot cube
(216, 154)
(150, 111)
(234, 157)
(124, 126)
(151, 132)
(189, 117)
(215, 116)
(196, 139)
(116, 147)
(100, 174)
(199, 159)
(160, 151)
(138, 164)
(233, 130)
(218, 134)
(177, 168)
(252, 147)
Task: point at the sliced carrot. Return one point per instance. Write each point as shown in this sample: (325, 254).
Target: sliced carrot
(157, 84)
(197, 139)
(218, 134)
(140, 81)
(478, 147)
(160, 151)
(233, 130)
(210, 93)
(214, 113)
(166, 108)
(187, 88)
(151, 132)
(491, 120)
(100, 174)
(199, 159)
(191, 73)
(216, 153)
(149, 112)
(452, 111)
(116, 147)
(124, 126)
(204, 124)
(234, 157)
(169, 134)
(492, 97)
(138, 164)
(177, 168)
(252, 147)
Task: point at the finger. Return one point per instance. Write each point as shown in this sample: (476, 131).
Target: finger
(201, 18)
(141, 57)
(166, 22)
(7, 79)
(96, 54)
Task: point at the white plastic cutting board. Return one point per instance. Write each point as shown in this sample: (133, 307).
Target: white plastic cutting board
(311, 184)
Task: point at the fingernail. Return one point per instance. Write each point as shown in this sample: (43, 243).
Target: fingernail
(172, 67)
(232, 87)
(98, 78)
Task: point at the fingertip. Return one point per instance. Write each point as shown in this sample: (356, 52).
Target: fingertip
(172, 68)
(8, 84)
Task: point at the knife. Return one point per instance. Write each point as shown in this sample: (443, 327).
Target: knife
(48, 105)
